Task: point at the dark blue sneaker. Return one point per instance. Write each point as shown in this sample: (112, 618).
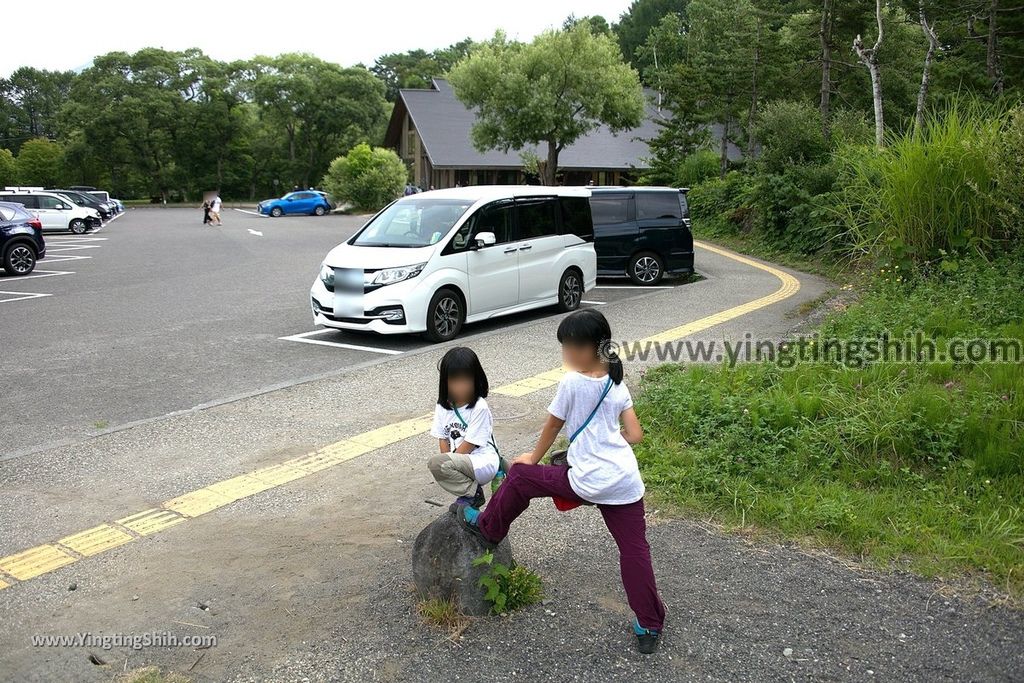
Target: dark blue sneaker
(647, 639)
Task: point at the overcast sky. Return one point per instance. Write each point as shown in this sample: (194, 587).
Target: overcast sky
(68, 35)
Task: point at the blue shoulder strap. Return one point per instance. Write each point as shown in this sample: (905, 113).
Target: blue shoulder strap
(607, 388)
(466, 424)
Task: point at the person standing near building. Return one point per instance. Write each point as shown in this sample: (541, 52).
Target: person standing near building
(215, 204)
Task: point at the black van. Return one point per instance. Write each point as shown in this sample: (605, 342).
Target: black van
(642, 232)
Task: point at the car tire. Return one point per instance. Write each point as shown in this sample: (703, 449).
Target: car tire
(570, 290)
(646, 269)
(78, 226)
(445, 315)
(319, 211)
(19, 259)
(276, 212)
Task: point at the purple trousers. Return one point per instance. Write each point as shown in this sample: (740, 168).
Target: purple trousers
(625, 522)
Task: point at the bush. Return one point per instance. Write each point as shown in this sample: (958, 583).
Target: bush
(924, 460)
(697, 168)
(718, 206)
(929, 192)
(366, 178)
(40, 162)
(1009, 163)
(508, 588)
(8, 168)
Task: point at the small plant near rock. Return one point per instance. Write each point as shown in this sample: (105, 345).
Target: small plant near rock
(151, 674)
(508, 588)
(443, 614)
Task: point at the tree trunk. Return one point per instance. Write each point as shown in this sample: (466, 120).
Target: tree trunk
(933, 43)
(723, 150)
(992, 66)
(869, 57)
(752, 115)
(825, 36)
(551, 165)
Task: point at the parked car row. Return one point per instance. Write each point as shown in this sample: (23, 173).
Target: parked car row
(300, 202)
(63, 209)
(431, 262)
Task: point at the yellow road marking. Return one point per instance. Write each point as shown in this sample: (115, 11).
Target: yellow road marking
(790, 286)
(35, 561)
(195, 503)
(150, 521)
(96, 540)
(48, 557)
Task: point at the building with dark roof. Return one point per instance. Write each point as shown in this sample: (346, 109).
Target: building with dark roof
(430, 130)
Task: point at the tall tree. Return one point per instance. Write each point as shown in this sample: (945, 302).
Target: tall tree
(416, 68)
(551, 91)
(926, 72)
(869, 57)
(636, 24)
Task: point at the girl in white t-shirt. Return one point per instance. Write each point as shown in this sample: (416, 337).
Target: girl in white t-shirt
(462, 425)
(591, 403)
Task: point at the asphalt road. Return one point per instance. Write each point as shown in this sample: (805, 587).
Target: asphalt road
(156, 313)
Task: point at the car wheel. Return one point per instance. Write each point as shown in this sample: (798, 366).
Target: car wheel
(19, 259)
(646, 268)
(78, 226)
(445, 316)
(570, 290)
(319, 211)
(276, 212)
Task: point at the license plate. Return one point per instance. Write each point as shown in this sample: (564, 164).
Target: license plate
(348, 292)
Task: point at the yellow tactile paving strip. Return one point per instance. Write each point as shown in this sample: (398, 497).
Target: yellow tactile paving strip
(45, 558)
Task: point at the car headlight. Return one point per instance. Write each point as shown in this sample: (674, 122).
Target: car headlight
(327, 275)
(390, 276)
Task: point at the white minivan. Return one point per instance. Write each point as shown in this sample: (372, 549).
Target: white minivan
(432, 261)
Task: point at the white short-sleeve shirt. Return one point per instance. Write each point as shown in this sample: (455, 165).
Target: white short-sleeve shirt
(477, 430)
(602, 466)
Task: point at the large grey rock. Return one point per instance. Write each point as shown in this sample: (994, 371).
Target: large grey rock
(442, 564)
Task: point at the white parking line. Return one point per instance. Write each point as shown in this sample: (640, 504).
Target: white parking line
(254, 213)
(64, 257)
(74, 240)
(36, 273)
(304, 338)
(594, 303)
(70, 247)
(632, 287)
(255, 232)
(18, 296)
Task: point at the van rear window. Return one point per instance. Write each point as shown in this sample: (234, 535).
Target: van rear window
(610, 209)
(657, 205)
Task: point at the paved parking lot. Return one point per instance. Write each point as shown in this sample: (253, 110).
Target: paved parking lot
(156, 313)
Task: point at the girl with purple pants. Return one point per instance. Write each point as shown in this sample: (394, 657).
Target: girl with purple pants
(591, 403)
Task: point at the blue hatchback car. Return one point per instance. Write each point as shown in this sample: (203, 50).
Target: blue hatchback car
(300, 202)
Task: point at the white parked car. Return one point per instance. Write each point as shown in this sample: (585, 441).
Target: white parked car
(55, 211)
(431, 262)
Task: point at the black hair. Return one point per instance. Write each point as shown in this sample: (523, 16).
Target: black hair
(588, 327)
(460, 361)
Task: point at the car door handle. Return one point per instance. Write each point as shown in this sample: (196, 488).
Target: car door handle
(511, 251)
(524, 248)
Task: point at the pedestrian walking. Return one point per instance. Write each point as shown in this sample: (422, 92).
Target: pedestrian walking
(206, 212)
(215, 204)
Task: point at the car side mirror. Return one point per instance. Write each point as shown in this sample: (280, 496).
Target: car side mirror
(483, 239)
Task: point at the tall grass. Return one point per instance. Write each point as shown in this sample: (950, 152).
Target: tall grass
(930, 191)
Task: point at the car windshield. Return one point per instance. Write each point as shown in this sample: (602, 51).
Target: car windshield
(412, 223)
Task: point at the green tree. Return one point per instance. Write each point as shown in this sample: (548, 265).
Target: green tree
(416, 68)
(40, 163)
(8, 168)
(636, 24)
(368, 178)
(34, 98)
(552, 91)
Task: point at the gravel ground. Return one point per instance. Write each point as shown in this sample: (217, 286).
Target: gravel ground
(739, 610)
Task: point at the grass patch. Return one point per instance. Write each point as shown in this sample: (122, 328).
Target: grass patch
(916, 462)
(825, 265)
(151, 674)
(445, 615)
